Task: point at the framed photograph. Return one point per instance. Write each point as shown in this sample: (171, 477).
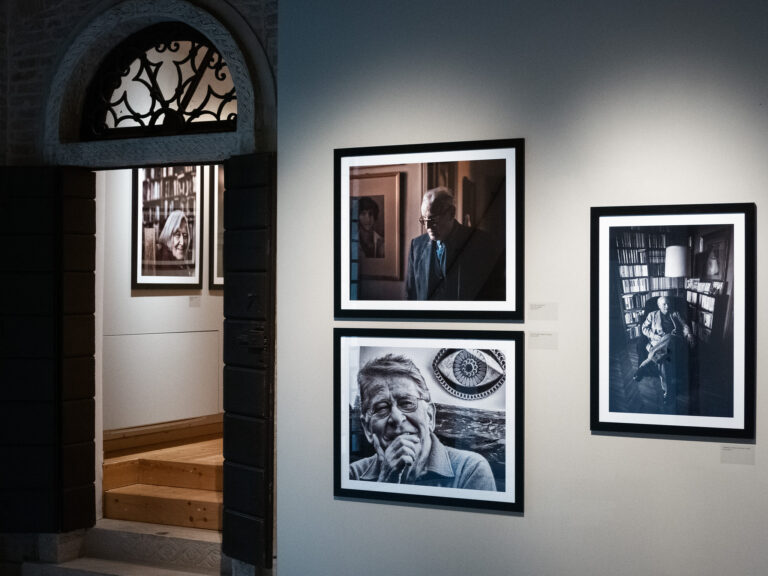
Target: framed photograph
(167, 227)
(375, 207)
(673, 320)
(432, 417)
(430, 231)
(216, 228)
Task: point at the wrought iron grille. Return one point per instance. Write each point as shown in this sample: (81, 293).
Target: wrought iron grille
(166, 79)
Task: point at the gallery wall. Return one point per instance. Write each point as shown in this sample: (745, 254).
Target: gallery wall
(162, 348)
(620, 103)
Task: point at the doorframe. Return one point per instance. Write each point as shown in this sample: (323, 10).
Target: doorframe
(257, 112)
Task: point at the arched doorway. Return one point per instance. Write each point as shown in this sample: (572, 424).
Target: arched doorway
(247, 153)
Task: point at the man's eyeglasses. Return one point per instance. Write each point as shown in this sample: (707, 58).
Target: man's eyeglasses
(429, 222)
(178, 236)
(406, 404)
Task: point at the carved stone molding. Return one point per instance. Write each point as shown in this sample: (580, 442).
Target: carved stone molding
(79, 63)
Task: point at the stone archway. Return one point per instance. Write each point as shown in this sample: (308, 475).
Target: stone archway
(250, 70)
(232, 36)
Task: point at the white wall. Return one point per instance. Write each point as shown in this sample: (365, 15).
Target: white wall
(162, 349)
(620, 103)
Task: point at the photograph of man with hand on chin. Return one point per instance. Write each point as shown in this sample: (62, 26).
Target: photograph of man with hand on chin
(429, 417)
(398, 418)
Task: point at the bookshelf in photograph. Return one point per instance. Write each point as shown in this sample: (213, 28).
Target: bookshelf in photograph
(641, 267)
(707, 307)
(165, 189)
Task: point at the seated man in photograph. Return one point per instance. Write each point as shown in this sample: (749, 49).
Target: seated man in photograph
(451, 261)
(665, 330)
(398, 419)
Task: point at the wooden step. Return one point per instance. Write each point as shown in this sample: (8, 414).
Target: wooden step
(197, 465)
(163, 473)
(165, 505)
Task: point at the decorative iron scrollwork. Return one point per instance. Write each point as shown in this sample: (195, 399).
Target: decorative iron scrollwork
(166, 79)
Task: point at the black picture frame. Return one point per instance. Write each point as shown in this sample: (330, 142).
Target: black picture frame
(684, 365)
(163, 195)
(477, 417)
(216, 227)
(381, 263)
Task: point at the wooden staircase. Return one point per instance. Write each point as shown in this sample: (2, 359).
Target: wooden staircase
(178, 486)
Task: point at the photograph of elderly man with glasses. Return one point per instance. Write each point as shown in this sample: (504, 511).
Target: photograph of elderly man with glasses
(451, 261)
(398, 419)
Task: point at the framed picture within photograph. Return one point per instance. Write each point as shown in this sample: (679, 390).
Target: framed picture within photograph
(167, 227)
(430, 231)
(216, 228)
(673, 320)
(430, 417)
(375, 206)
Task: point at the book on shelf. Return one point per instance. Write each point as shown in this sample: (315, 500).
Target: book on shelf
(707, 302)
(629, 285)
(630, 270)
(665, 283)
(639, 239)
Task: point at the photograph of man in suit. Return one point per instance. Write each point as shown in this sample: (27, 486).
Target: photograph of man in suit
(451, 261)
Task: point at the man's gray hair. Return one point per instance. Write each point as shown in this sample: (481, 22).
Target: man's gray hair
(440, 198)
(385, 367)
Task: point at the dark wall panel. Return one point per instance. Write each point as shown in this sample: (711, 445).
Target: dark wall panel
(247, 296)
(29, 254)
(243, 489)
(251, 171)
(77, 508)
(246, 250)
(28, 511)
(79, 253)
(33, 294)
(249, 209)
(77, 421)
(244, 440)
(243, 538)
(245, 344)
(28, 423)
(28, 381)
(79, 215)
(79, 293)
(28, 467)
(46, 349)
(16, 216)
(28, 337)
(78, 465)
(249, 283)
(78, 378)
(245, 392)
(78, 336)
